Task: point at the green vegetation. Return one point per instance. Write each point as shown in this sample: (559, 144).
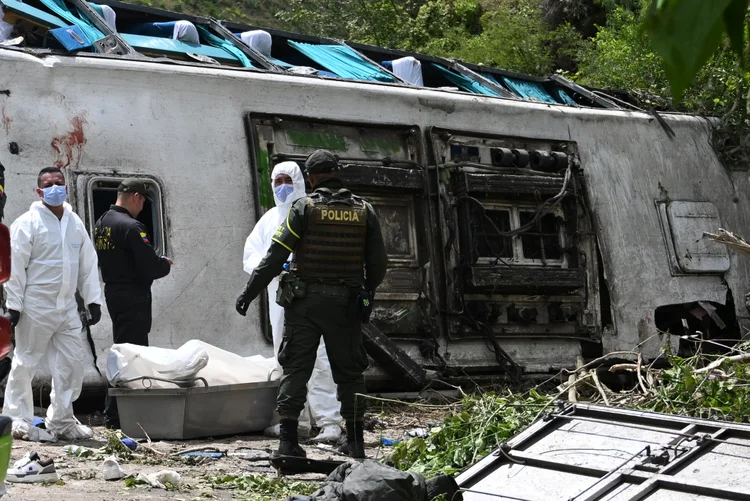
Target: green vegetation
(259, 487)
(484, 421)
(686, 33)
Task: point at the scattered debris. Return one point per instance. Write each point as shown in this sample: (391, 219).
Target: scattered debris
(271, 488)
(372, 422)
(704, 386)
(111, 469)
(293, 465)
(475, 427)
(718, 363)
(203, 454)
(373, 481)
(418, 432)
(208, 452)
(388, 442)
(80, 451)
(164, 479)
(130, 443)
(81, 474)
(24, 431)
(251, 455)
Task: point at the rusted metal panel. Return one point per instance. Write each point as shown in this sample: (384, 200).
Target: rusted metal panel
(512, 184)
(530, 279)
(384, 177)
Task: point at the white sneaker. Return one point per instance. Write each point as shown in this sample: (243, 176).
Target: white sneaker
(75, 432)
(330, 433)
(303, 430)
(31, 469)
(111, 469)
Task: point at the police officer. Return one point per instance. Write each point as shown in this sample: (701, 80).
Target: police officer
(339, 261)
(129, 266)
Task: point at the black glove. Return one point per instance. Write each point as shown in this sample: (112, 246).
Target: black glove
(241, 305)
(96, 313)
(13, 316)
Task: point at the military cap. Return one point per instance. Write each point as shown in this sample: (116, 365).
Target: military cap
(134, 185)
(321, 162)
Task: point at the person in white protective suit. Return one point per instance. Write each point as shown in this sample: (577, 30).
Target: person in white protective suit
(288, 186)
(51, 256)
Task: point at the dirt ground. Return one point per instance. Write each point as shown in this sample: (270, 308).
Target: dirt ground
(82, 479)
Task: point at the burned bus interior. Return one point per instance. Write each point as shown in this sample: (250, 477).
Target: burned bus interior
(483, 233)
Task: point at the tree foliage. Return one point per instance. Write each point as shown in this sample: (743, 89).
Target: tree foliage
(687, 33)
(669, 54)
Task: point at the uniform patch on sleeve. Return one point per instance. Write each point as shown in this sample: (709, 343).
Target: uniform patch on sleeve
(144, 236)
(103, 239)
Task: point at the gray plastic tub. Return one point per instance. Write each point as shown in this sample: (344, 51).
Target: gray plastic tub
(196, 412)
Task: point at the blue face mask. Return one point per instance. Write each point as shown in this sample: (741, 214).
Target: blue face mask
(283, 191)
(55, 195)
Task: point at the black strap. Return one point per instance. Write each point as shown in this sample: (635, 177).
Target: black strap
(91, 342)
(85, 321)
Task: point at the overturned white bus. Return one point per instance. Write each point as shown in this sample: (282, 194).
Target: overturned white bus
(528, 221)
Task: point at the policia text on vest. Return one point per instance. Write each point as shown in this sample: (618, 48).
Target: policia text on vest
(340, 215)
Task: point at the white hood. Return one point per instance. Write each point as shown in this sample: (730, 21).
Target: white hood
(292, 170)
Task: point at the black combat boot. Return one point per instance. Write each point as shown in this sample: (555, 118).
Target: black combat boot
(288, 441)
(355, 440)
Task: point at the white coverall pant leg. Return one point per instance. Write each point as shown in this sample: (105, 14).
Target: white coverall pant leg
(321, 392)
(322, 403)
(58, 336)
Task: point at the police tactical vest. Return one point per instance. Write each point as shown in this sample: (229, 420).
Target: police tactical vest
(332, 248)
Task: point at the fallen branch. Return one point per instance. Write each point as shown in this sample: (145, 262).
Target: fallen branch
(729, 239)
(572, 393)
(560, 393)
(623, 367)
(600, 360)
(719, 362)
(600, 388)
(640, 376)
(149, 447)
